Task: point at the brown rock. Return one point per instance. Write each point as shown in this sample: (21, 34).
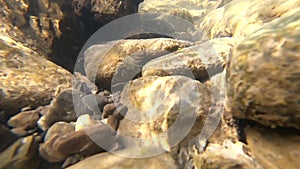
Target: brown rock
(241, 18)
(62, 108)
(27, 79)
(25, 120)
(155, 103)
(226, 155)
(58, 148)
(49, 26)
(23, 154)
(112, 161)
(9, 137)
(263, 74)
(60, 129)
(274, 148)
(103, 61)
(198, 62)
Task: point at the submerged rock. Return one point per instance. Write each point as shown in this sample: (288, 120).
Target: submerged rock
(50, 26)
(155, 103)
(59, 129)
(112, 161)
(227, 155)
(60, 109)
(9, 137)
(198, 62)
(264, 74)
(274, 148)
(111, 61)
(241, 18)
(26, 120)
(23, 154)
(82, 142)
(195, 9)
(27, 79)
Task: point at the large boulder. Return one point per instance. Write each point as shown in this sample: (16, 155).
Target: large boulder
(26, 78)
(226, 155)
(49, 26)
(162, 110)
(112, 161)
(263, 74)
(241, 18)
(199, 61)
(195, 9)
(274, 148)
(104, 61)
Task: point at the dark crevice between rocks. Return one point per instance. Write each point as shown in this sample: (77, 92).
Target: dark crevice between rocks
(241, 125)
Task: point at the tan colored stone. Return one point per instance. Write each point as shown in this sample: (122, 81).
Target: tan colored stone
(104, 60)
(62, 108)
(83, 142)
(154, 104)
(23, 154)
(27, 79)
(108, 160)
(226, 155)
(241, 18)
(263, 75)
(274, 148)
(25, 120)
(60, 129)
(198, 62)
(195, 8)
(9, 137)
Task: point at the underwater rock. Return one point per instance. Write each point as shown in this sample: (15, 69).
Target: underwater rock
(226, 155)
(26, 78)
(274, 148)
(26, 119)
(112, 161)
(60, 129)
(263, 76)
(178, 19)
(109, 62)
(9, 137)
(197, 62)
(60, 109)
(241, 18)
(49, 27)
(195, 9)
(82, 142)
(155, 103)
(23, 154)
(84, 121)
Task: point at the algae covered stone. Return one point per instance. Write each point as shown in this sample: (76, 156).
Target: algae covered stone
(162, 110)
(264, 74)
(103, 61)
(27, 79)
(198, 62)
(241, 18)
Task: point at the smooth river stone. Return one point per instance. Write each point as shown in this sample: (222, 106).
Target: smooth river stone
(112, 161)
(23, 154)
(195, 8)
(198, 62)
(241, 18)
(274, 148)
(264, 74)
(27, 79)
(225, 155)
(103, 61)
(155, 103)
